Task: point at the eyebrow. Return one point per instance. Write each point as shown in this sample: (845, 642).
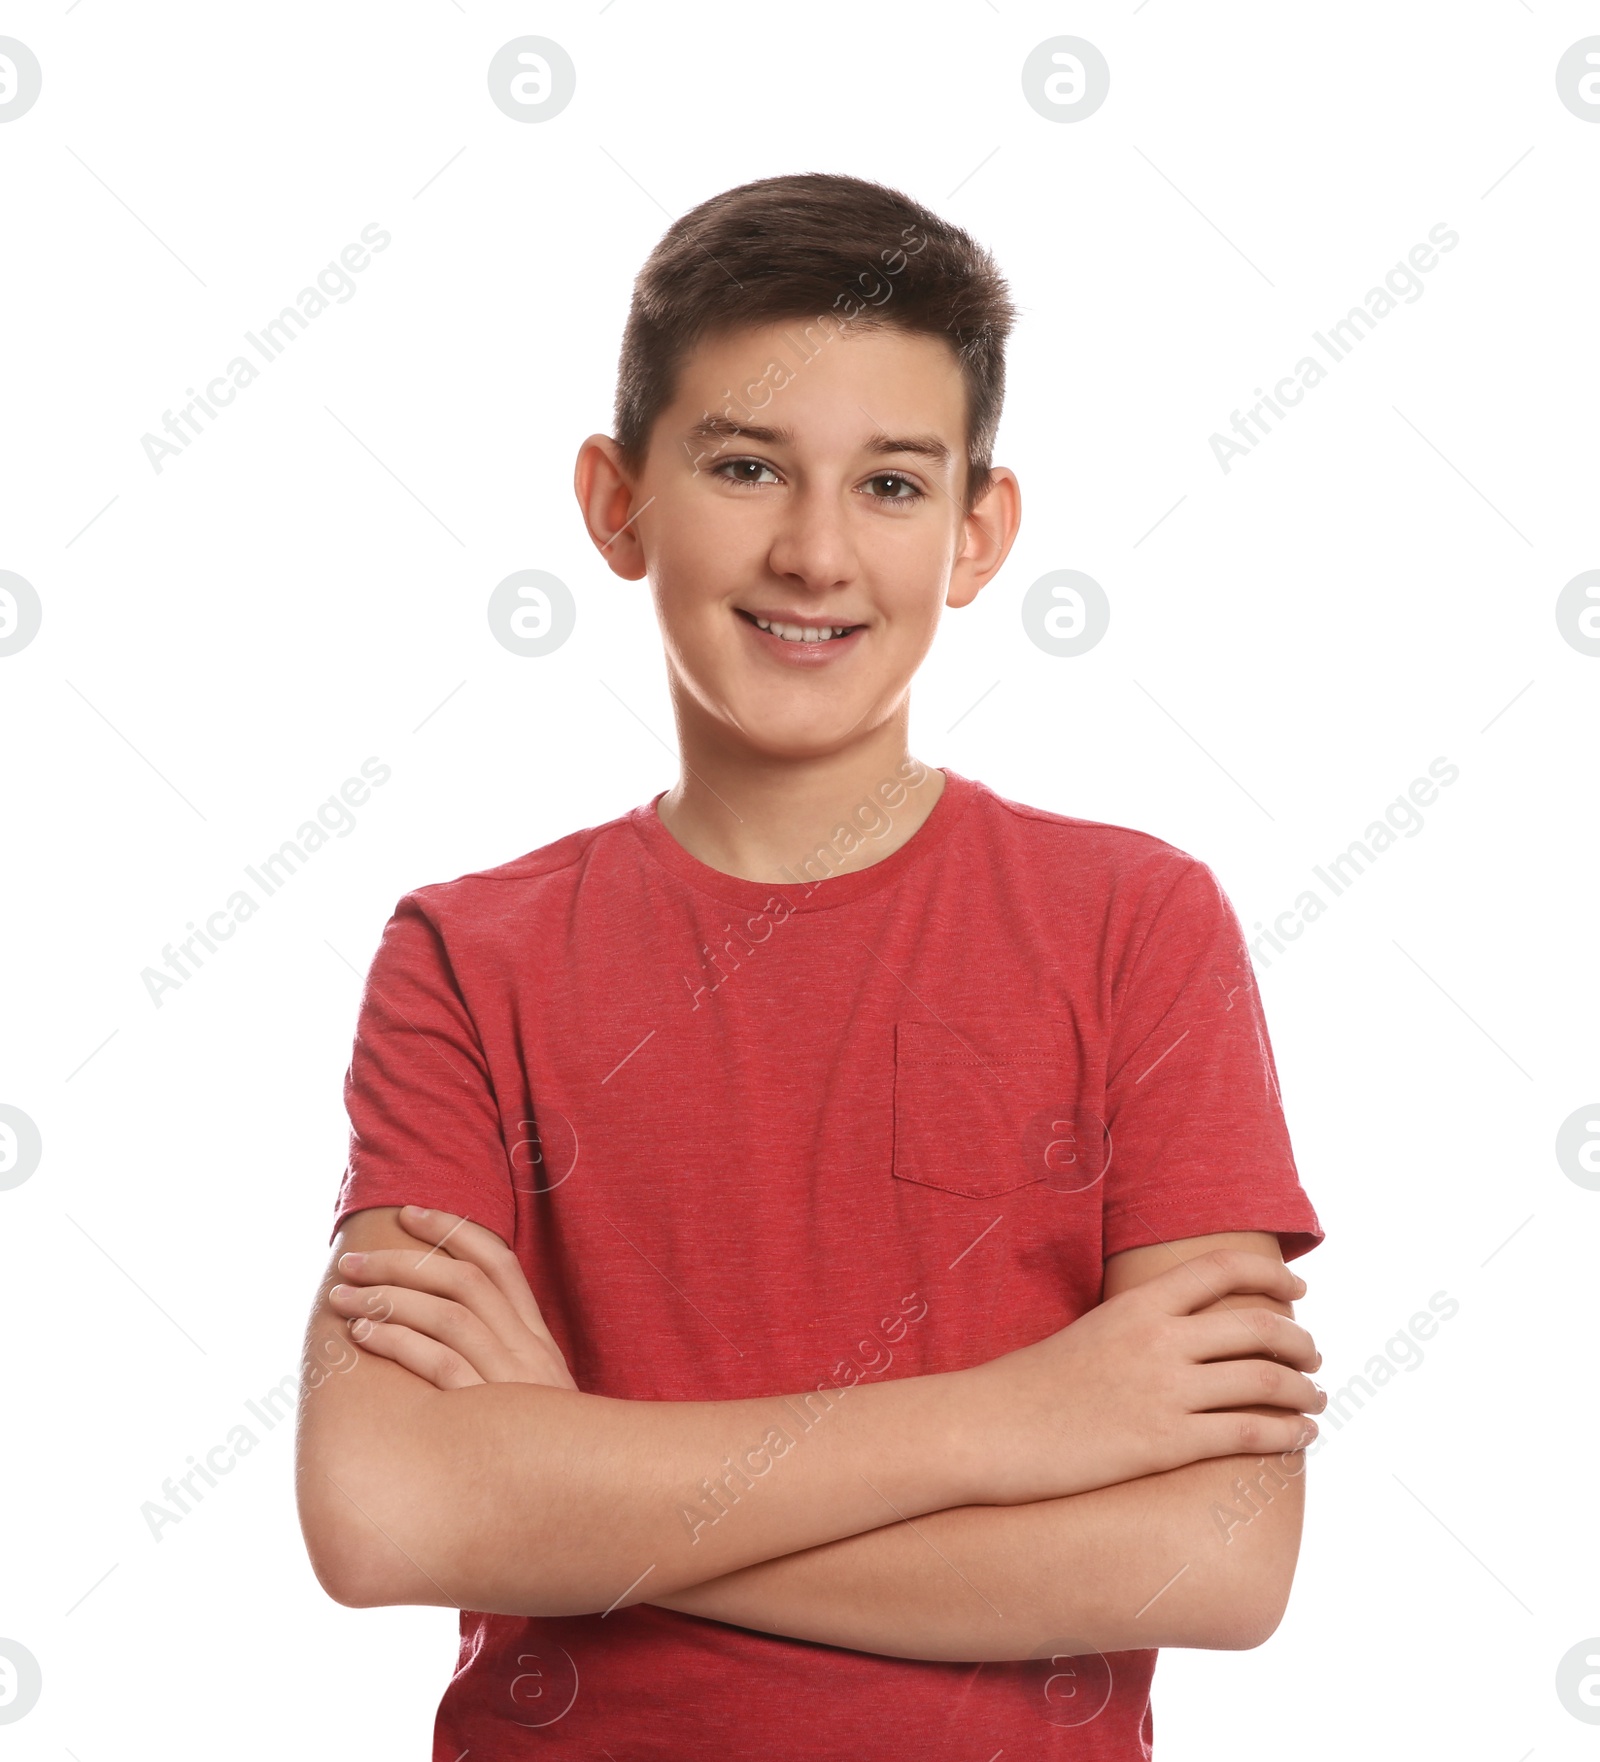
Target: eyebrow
(923, 446)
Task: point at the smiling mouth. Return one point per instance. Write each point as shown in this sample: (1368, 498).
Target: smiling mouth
(800, 632)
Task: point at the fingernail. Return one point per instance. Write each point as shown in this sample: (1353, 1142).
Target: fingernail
(419, 1212)
(351, 1263)
(340, 1291)
(360, 1327)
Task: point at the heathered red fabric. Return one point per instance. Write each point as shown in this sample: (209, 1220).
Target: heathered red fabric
(751, 1139)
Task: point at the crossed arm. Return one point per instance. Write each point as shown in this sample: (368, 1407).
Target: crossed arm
(883, 1559)
(1199, 1556)
(1170, 1559)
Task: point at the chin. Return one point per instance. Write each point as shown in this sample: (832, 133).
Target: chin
(776, 738)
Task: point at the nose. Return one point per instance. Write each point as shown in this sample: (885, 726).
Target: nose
(812, 546)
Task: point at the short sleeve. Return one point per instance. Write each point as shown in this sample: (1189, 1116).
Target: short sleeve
(424, 1124)
(1198, 1141)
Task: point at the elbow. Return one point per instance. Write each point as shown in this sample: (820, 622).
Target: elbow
(1248, 1622)
(1248, 1607)
(348, 1573)
(1249, 1589)
(1240, 1603)
(353, 1559)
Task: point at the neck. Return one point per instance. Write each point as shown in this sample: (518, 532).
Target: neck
(761, 817)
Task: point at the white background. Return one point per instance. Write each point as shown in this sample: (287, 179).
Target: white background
(224, 642)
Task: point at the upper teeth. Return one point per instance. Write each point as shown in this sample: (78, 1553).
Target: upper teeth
(804, 632)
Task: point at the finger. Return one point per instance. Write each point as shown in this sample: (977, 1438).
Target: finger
(465, 1240)
(1183, 1289)
(521, 1354)
(557, 1375)
(426, 1357)
(526, 1360)
(451, 1325)
(439, 1275)
(1250, 1382)
(1206, 1435)
(1250, 1333)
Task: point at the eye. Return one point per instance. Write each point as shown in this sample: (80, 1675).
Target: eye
(914, 491)
(730, 471)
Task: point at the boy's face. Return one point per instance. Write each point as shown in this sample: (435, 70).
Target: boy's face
(830, 497)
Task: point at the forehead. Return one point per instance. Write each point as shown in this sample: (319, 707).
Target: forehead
(824, 379)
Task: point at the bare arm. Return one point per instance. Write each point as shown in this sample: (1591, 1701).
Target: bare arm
(419, 1484)
(1143, 1563)
(519, 1499)
(1198, 1556)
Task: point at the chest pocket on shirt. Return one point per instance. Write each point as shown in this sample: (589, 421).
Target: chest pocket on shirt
(985, 1105)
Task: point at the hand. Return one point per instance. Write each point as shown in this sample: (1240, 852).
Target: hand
(1141, 1384)
(458, 1314)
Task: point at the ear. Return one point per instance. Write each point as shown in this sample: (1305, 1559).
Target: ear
(609, 502)
(988, 534)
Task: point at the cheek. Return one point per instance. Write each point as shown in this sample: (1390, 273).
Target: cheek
(684, 586)
(912, 605)
(906, 566)
(698, 563)
(700, 635)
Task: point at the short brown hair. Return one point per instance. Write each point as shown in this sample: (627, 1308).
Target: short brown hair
(811, 245)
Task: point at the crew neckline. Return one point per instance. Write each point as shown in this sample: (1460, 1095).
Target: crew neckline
(801, 895)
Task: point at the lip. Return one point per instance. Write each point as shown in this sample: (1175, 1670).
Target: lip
(787, 615)
(799, 654)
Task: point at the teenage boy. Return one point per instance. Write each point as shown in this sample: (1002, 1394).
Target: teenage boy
(849, 1318)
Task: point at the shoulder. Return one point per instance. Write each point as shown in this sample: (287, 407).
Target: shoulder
(1095, 854)
(1124, 895)
(513, 891)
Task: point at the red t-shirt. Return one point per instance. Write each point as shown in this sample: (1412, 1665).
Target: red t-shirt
(751, 1139)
